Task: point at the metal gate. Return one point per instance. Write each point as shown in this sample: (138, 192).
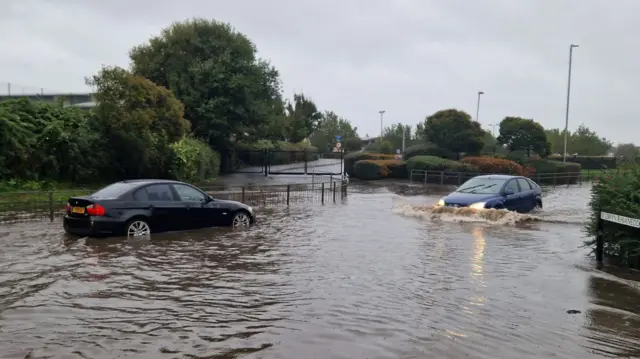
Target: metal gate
(282, 162)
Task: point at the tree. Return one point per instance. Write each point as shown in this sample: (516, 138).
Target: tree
(453, 130)
(521, 134)
(628, 151)
(139, 121)
(329, 127)
(587, 143)
(302, 118)
(214, 71)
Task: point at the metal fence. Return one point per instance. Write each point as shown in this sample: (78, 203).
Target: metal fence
(458, 178)
(286, 162)
(32, 205)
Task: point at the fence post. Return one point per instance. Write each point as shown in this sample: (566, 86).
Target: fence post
(305, 161)
(459, 178)
(266, 162)
(599, 242)
(334, 192)
(242, 194)
(426, 175)
(442, 177)
(51, 206)
(322, 193)
(288, 192)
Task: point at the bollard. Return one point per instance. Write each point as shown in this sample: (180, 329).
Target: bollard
(599, 243)
(322, 193)
(51, 206)
(242, 194)
(334, 192)
(288, 192)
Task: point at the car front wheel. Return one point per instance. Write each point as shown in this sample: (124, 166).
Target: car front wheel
(241, 219)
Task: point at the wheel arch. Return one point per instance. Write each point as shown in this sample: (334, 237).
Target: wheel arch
(243, 210)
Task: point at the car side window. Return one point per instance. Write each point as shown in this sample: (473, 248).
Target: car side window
(159, 192)
(532, 184)
(512, 185)
(524, 184)
(189, 194)
(141, 195)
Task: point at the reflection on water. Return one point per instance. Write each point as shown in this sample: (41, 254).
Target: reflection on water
(379, 276)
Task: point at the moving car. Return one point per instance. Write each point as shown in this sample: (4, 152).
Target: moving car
(140, 207)
(514, 193)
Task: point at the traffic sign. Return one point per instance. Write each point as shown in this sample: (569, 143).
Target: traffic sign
(338, 145)
(338, 138)
(398, 151)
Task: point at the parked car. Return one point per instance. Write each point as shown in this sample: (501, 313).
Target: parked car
(142, 207)
(514, 193)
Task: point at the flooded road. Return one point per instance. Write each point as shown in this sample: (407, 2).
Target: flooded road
(378, 276)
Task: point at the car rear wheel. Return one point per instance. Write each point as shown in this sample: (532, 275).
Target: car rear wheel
(137, 228)
(241, 219)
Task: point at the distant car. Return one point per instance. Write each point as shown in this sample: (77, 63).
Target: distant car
(140, 207)
(514, 193)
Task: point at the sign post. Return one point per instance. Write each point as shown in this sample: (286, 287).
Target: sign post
(338, 147)
(614, 218)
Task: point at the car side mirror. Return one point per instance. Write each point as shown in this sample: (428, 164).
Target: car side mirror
(208, 199)
(508, 192)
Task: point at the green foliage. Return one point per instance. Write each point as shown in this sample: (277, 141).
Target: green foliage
(453, 130)
(427, 149)
(302, 117)
(193, 161)
(214, 71)
(583, 142)
(432, 163)
(139, 120)
(330, 126)
(627, 152)
(351, 159)
(520, 134)
(555, 172)
(590, 162)
(379, 169)
(617, 193)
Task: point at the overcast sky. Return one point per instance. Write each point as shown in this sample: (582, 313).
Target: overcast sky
(356, 57)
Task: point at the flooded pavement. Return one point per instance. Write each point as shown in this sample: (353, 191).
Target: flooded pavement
(378, 276)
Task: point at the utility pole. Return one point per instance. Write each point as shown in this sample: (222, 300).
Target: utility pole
(566, 121)
(381, 112)
(478, 107)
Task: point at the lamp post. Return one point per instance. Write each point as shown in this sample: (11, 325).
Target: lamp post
(381, 112)
(478, 106)
(566, 120)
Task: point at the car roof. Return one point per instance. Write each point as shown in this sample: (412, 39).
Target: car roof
(504, 177)
(143, 182)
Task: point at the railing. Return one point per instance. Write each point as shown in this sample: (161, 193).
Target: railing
(30, 205)
(458, 178)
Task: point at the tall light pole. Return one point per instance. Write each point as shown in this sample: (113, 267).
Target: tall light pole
(381, 112)
(566, 120)
(478, 107)
(493, 128)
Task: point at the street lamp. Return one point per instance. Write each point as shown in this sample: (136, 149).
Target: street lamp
(478, 107)
(566, 121)
(381, 112)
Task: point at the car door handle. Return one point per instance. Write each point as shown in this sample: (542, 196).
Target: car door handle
(151, 206)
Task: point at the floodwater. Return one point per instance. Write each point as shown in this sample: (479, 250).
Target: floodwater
(380, 275)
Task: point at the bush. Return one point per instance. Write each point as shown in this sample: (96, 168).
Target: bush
(590, 162)
(193, 161)
(617, 193)
(427, 149)
(378, 169)
(494, 165)
(555, 172)
(351, 159)
(445, 171)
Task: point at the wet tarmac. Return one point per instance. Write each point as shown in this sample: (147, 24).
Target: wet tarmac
(381, 275)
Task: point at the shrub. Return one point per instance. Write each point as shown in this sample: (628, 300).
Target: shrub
(555, 172)
(590, 162)
(193, 161)
(618, 193)
(494, 165)
(378, 169)
(351, 159)
(427, 149)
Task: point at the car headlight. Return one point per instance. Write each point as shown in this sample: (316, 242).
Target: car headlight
(478, 205)
(441, 203)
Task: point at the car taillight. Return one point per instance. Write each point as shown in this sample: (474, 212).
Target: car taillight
(68, 208)
(95, 210)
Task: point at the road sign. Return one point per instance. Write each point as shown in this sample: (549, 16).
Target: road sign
(338, 145)
(398, 151)
(627, 221)
(338, 138)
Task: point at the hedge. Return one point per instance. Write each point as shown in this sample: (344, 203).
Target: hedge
(456, 172)
(351, 159)
(617, 193)
(427, 149)
(193, 160)
(555, 172)
(590, 162)
(494, 165)
(378, 169)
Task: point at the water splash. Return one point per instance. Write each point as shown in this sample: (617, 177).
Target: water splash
(448, 214)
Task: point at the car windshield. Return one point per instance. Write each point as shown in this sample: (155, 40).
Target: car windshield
(482, 186)
(113, 191)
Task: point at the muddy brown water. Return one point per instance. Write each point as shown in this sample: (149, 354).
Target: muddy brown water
(381, 275)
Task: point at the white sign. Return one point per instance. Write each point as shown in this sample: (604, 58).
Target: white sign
(338, 145)
(627, 221)
(398, 151)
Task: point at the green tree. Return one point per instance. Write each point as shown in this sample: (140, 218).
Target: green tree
(521, 134)
(394, 133)
(139, 121)
(628, 151)
(213, 69)
(302, 118)
(329, 127)
(453, 130)
(587, 143)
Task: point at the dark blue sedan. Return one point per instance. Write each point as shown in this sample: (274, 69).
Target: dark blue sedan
(514, 193)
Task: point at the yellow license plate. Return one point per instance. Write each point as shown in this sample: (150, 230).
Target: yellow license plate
(79, 210)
